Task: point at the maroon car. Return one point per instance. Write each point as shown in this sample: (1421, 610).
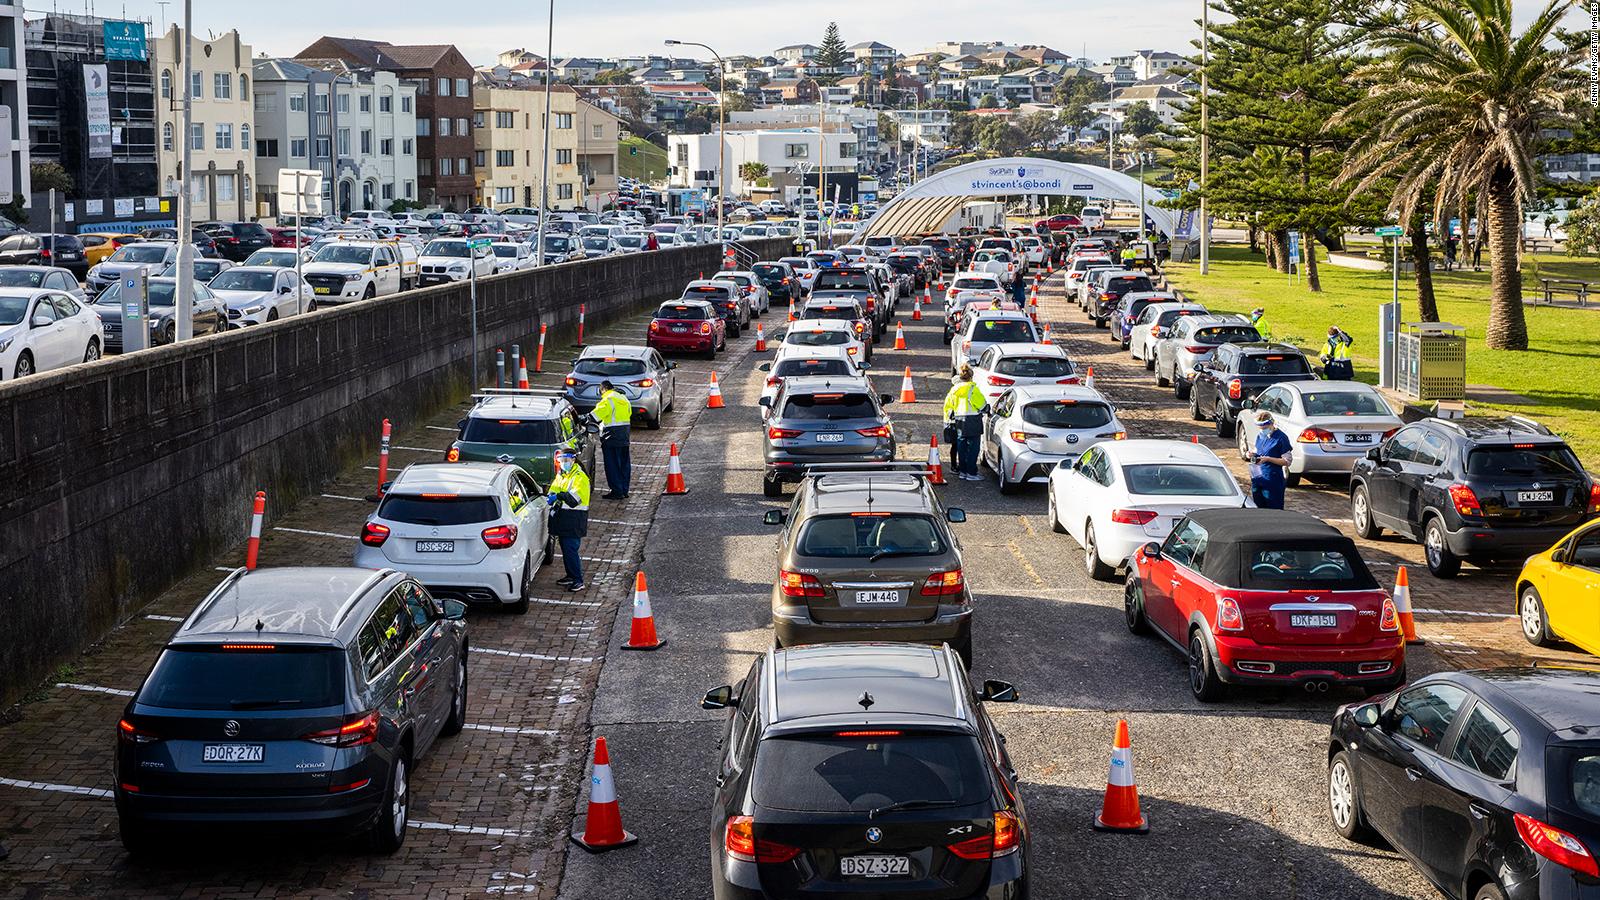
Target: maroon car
(690, 326)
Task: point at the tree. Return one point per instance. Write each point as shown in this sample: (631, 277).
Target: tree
(1040, 129)
(47, 175)
(1583, 228)
(737, 102)
(1140, 120)
(615, 76)
(1001, 137)
(750, 171)
(1456, 106)
(988, 101)
(832, 54)
(964, 130)
(1075, 93)
(888, 128)
(635, 101)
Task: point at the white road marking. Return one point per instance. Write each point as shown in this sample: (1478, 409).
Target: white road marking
(101, 793)
(470, 829)
(442, 428)
(618, 522)
(95, 689)
(164, 618)
(564, 602)
(597, 559)
(418, 449)
(505, 729)
(326, 534)
(343, 497)
(223, 568)
(523, 655)
(1462, 612)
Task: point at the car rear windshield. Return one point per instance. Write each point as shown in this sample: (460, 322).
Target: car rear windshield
(708, 292)
(904, 263)
(1160, 479)
(976, 284)
(869, 536)
(1585, 780)
(214, 678)
(831, 311)
(835, 773)
(834, 281)
(1069, 414)
(1225, 334)
(24, 278)
(1169, 316)
(608, 365)
(798, 366)
(675, 311)
(819, 338)
(1550, 461)
(1275, 364)
(437, 509)
(768, 271)
(509, 431)
(1002, 331)
(1034, 367)
(829, 407)
(1345, 403)
(1125, 284)
(1305, 569)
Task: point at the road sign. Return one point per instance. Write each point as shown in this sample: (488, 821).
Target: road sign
(478, 242)
(1389, 231)
(299, 192)
(1294, 248)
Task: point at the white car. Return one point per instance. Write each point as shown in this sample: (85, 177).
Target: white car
(750, 284)
(986, 328)
(445, 260)
(805, 268)
(1034, 250)
(256, 295)
(1331, 423)
(774, 208)
(42, 330)
(1001, 367)
(370, 217)
(1120, 495)
(1092, 217)
(826, 333)
(997, 262)
(975, 286)
(1078, 269)
(512, 256)
(794, 360)
(474, 532)
(344, 271)
(882, 244)
(1029, 430)
(1152, 325)
(48, 278)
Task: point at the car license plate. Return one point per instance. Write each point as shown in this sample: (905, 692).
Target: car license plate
(1358, 437)
(877, 597)
(436, 546)
(323, 290)
(1310, 620)
(233, 753)
(830, 437)
(1536, 496)
(875, 866)
(680, 328)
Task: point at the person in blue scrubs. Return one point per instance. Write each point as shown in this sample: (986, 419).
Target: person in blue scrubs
(1268, 462)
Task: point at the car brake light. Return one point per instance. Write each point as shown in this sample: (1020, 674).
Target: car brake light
(799, 584)
(1003, 839)
(705, 327)
(1197, 348)
(654, 326)
(779, 434)
(1235, 389)
(1020, 436)
(774, 380)
(739, 839)
(1390, 433)
(571, 381)
(1133, 516)
(1556, 845)
(941, 584)
(500, 536)
(1315, 436)
(453, 455)
(1001, 379)
(373, 534)
(1155, 330)
(1594, 498)
(880, 431)
(1390, 620)
(861, 327)
(1465, 500)
(1228, 616)
(356, 730)
(1070, 379)
(127, 731)
(647, 382)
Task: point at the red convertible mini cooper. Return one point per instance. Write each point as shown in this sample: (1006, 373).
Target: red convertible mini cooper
(1262, 596)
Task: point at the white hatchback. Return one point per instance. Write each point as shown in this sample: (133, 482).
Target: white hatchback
(989, 327)
(1031, 430)
(1004, 366)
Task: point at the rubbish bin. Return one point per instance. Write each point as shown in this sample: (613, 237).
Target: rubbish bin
(1433, 361)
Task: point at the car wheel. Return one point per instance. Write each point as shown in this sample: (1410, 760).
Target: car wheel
(170, 335)
(272, 315)
(1055, 518)
(370, 292)
(1244, 445)
(1225, 425)
(1441, 562)
(1161, 380)
(1291, 479)
(1535, 624)
(394, 817)
(525, 589)
(1007, 486)
(1344, 803)
(458, 700)
(1203, 680)
(711, 351)
(91, 352)
(1490, 891)
(1361, 514)
(311, 306)
(549, 549)
(1181, 388)
(1133, 605)
(771, 487)
(1092, 563)
(1194, 407)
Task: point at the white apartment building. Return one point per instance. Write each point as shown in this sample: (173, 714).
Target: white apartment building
(925, 127)
(692, 158)
(1148, 64)
(16, 166)
(222, 148)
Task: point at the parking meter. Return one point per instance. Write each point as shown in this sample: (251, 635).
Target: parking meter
(135, 311)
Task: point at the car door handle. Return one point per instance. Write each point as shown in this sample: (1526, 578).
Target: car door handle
(1477, 811)
(1413, 773)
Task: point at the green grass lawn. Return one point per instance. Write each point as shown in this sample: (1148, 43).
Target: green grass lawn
(1558, 376)
(648, 164)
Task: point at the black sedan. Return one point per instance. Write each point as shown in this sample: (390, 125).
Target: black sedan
(1487, 781)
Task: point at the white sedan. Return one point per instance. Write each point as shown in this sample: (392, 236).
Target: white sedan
(256, 295)
(1120, 495)
(43, 329)
(1332, 424)
(1004, 366)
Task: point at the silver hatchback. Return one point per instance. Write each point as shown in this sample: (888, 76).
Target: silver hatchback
(641, 374)
(1031, 429)
(1194, 339)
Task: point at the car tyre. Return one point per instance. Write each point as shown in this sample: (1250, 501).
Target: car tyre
(1291, 479)
(1490, 891)
(653, 422)
(1194, 407)
(272, 315)
(549, 555)
(1055, 517)
(1007, 486)
(458, 700)
(1344, 800)
(370, 292)
(388, 831)
(1243, 444)
(525, 590)
(771, 487)
(1162, 380)
(1225, 425)
(1092, 563)
(1203, 680)
(1361, 514)
(1441, 562)
(1181, 389)
(1133, 605)
(1535, 623)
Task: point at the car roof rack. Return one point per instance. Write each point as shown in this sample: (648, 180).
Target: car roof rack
(1530, 425)
(515, 394)
(907, 467)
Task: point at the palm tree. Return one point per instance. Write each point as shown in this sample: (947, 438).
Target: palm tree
(1456, 103)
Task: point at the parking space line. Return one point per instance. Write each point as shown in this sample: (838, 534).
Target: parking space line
(464, 829)
(506, 729)
(618, 521)
(326, 534)
(418, 449)
(102, 793)
(95, 689)
(443, 428)
(157, 618)
(343, 497)
(1464, 612)
(519, 654)
(564, 602)
(596, 559)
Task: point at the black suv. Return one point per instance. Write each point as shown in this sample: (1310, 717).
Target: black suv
(1475, 489)
(866, 769)
(292, 698)
(237, 240)
(62, 250)
(1237, 372)
(782, 284)
(859, 284)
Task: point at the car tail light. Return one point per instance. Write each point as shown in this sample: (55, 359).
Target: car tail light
(785, 281)
(1390, 620)
(373, 534)
(1315, 436)
(571, 382)
(1155, 330)
(705, 327)
(1556, 845)
(861, 327)
(1020, 436)
(739, 839)
(1197, 348)
(774, 380)
(647, 382)
(355, 731)
(942, 584)
(352, 786)
(1003, 839)
(1001, 379)
(44, 253)
(799, 584)
(131, 733)
(453, 455)
(1465, 500)
(1235, 389)
(779, 434)
(1114, 435)
(500, 537)
(654, 326)
(1594, 498)
(1228, 616)
(880, 431)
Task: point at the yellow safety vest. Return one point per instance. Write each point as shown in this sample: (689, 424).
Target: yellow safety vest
(613, 409)
(1263, 328)
(964, 399)
(572, 480)
(1338, 349)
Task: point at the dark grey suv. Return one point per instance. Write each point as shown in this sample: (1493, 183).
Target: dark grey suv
(823, 419)
(292, 698)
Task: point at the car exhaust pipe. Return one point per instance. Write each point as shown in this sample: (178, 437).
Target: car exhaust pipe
(1316, 687)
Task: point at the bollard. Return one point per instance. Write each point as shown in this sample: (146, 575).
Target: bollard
(500, 368)
(383, 460)
(516, 359)
(583, 309)
(254, 547)
(538, 360)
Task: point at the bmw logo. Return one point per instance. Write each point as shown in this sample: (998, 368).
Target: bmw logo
(874, 834)
(505, 457)
(1072, 439)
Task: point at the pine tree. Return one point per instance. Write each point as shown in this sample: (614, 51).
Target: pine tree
(832, 54)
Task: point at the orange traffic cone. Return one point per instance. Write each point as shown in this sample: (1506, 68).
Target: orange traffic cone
(1046, 338)
(642, 631)
(916, 310)
(675, 483)
(714, 399)
(899, 336)
(1088, 378)
(1402, 605)
(908, 394)
(1120, 811)
(935, 464)
(603, 828)
(1194, 438)
(761, 339)
(522, 374)
(791, 309)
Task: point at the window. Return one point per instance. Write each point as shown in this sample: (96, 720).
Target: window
(563, 192)
(197, 136)
(563, 157)
(244, 136)
(386, 103)
(407, 146)
(225, 186)
(267, 147)
(477, 120)
(796, 151)
(563, 120)
(322, 103)
(504, 158)
(411, 189)
(478, 158)
(846, 150)
(599, 131)
(166, 136)
(197, 84)
(324, 149)
(425, 168)
(297, 102)
(366, 142)
(166, 84)
(297, 148)
(344, 142)
(444, 87)
(385, 635)
(446, 166)
(444, 127)
(461, 127)
(405, 104)
(462, 90)
(366, 103)
(424, 128)
(1487, 743)
(388, 190)
(197, 189)
(1424, 714)
(386, 147)
(1185, 545)
(505, 195)
(505, 120)
(683, 154)
(244, 86)
(222, 86)
(343, 102)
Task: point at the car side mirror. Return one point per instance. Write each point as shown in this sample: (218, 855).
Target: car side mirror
(1249, 403)
(1375, 454)
(774, 517)
(284, 289)
(43, 321)
(719, 698)
(591, 427)
(864, 366)
(1202, 366)
(765, 401)
(886, 399)
(455, 610)
(672, 365)
(955, 515)
(1367, 715)
(764, 367)
(996, 691)
(1151, 550)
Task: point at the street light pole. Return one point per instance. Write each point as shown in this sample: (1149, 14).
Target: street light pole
(183, 321)
(544, 177)
(1205, 136)
(722, 127)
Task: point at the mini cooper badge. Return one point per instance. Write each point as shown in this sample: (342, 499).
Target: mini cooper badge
(505, 458)
(874, 834)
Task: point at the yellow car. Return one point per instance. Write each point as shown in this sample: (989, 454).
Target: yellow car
(1558, 592)
(99, 245)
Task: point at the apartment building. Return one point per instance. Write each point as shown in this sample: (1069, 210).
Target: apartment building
(509, 135)
(692, 158)
(222, 168)
(15, 167)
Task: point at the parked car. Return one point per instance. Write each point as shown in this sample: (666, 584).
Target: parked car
(512, 256)
(43, 277)
(292, 698)
(99, 245)
(210, 314)
(1194, 339)
(523, 427)
(63, 251)
(1332, 424)
(642, 375)
(688, 325)
(204, 269)
(237, 240)
(204, 243)
(274, 258)
(1238, 372)
(150, 256)
(43, 329)
(1555, 591)
(257, 295)
(447, 260)
(823, 419)
(344, 271)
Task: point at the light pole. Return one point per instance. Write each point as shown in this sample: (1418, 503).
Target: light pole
(722, 125)
(544, 177)
(1141, 193)
(1205, 136)
(183, 321)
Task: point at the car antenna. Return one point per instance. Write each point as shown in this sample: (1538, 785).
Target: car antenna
(866, 700)
(260, 625)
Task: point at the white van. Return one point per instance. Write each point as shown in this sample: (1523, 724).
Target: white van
(1092, 217)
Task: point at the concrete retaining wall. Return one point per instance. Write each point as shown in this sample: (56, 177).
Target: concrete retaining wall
(120, 477)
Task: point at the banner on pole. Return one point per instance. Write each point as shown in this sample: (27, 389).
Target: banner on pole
(97, 109)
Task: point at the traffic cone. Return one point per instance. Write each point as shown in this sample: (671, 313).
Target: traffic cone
(642, 631)
(675, 483)
(603, 826)
(935, 464)
(522, 374)
(1194, 438)
(791, 309)
(1120, 810)
(899, 336)
(761, 339)
(1402, 605)
(714, 399)
(1088, 378)
(908, 394)
(916, 310)
(1046, 338)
